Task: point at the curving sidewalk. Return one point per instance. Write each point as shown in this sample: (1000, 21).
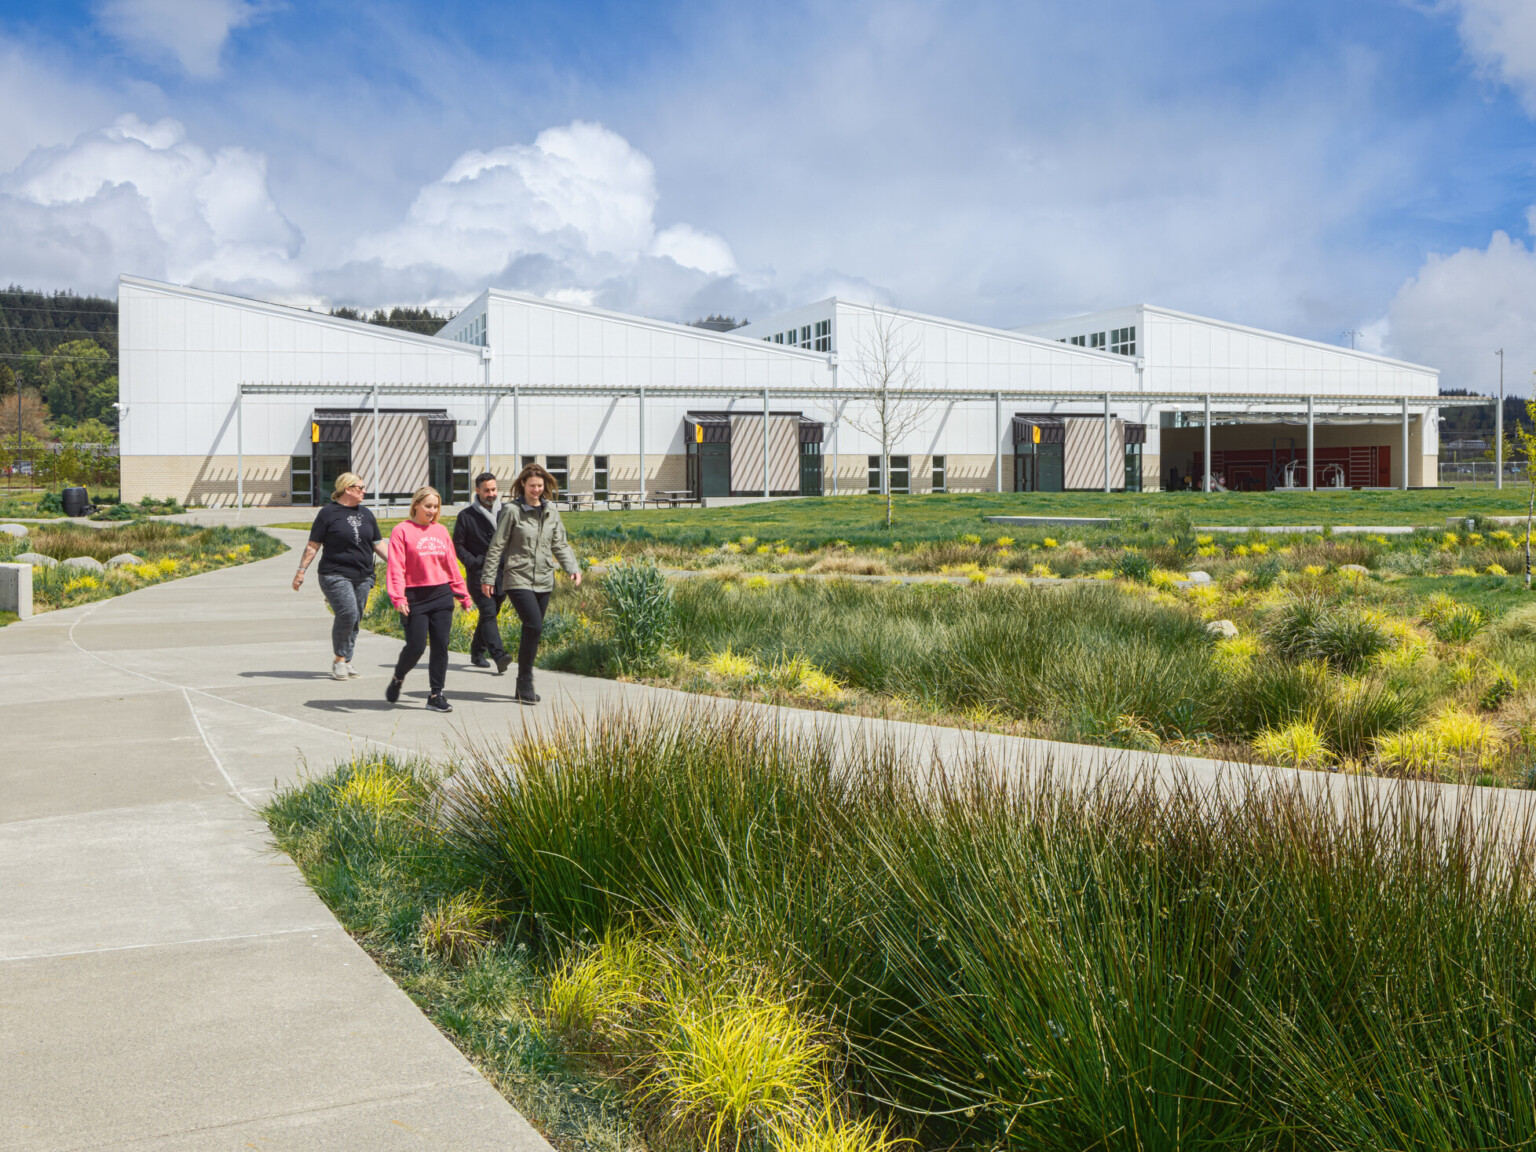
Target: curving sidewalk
(166, 980)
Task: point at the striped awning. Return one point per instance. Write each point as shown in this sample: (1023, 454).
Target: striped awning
(707, 427)
(1135, 433)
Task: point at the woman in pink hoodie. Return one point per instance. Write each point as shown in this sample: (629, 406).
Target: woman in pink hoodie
(423, 580)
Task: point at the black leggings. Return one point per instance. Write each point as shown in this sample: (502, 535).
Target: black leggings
(431, 617)
(530, 607)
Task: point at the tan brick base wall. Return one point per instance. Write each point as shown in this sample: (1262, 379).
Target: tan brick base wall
(209, 480)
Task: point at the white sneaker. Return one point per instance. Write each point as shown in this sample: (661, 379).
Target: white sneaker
(351, 671)
(338, 670)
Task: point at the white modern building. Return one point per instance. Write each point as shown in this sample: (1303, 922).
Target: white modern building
(226, 398)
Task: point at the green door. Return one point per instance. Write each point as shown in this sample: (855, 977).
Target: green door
(810, 469)
(714, 470)
(331, 460)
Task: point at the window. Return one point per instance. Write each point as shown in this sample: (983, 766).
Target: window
(559, 468)
(459, 481)
(939, 484)
(1095, 339)
(778, 337)
(901, 474)
(874, 475)
(805, 336)
(823, 335)
(1078, 340)
(600, 477)
(301, 485)
(1123, 341)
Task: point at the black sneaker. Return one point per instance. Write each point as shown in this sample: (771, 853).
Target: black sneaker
(479, 661)
(526, 694)
(438, 704)
(503, 662)
(392, 690)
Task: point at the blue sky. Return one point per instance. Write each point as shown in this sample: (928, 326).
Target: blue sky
(1313, 167)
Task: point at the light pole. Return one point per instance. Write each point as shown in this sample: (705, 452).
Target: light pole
(1351, 333)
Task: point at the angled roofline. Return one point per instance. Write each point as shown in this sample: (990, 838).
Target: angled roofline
(289, 312)
(1044, 342)
(1247, 330)
(667, 326)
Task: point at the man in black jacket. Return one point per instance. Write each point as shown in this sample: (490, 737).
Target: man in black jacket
(472, 534)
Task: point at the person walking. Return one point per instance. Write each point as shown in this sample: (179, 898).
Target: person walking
(521, 559)
(472, 534)
(347, 537)
(423, 581)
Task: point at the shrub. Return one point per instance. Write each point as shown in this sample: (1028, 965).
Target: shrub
(458, 927)
(1265, 574)
(1306, 628)
(1499, 688)
(1457, 624)
(731, 665)
(640, 612)
(1134, 566)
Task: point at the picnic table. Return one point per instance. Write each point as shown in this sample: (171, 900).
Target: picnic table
(673, 497)
(625, 499)
(573, 501)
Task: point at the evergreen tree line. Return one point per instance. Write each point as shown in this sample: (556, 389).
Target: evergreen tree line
(1478, 423)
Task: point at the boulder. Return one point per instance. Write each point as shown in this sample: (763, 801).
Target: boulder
(84, 564)
(1355, 569)
(37, 560)
(1197, 577)
(14, 529)
(124, 558)
(1225, 629)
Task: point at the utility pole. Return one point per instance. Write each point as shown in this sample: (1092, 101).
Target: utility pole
(1351, 333)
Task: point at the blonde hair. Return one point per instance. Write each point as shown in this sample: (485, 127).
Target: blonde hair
(343, 482)
(421, 495)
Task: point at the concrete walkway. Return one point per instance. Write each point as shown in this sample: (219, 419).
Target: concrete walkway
(166, 980)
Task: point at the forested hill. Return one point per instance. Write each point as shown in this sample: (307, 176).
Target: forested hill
(39, 322)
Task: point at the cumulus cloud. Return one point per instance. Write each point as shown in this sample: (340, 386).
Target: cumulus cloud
(571, 216)
(190, 32)
(1458, 310)
(1501, 36)
(139, 197)
(573, 212)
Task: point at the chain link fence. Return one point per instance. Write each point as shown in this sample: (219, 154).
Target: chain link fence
(94, 466)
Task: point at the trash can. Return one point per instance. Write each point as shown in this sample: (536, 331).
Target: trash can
(76, 501)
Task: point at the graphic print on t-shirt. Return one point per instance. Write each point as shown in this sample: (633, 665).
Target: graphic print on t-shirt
(356, 520)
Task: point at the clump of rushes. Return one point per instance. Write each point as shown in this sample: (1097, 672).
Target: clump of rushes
(639, 612)
(1453, 621)
(1023, 959)
(1134, 566)
(373, 787)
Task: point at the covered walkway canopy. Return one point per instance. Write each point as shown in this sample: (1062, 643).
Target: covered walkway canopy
(1213, 405)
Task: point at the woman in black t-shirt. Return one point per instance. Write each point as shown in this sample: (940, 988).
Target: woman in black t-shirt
(347, 536)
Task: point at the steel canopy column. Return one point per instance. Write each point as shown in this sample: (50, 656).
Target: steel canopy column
(766, 492)
(375, 476)
(641, 403)
(1207, 484)
(1311, 468)
(1405, 443)
(997, 437)
(239, 446)
(517, 461)
(1106, 443)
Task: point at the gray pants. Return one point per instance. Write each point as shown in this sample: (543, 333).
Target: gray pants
(349, 600)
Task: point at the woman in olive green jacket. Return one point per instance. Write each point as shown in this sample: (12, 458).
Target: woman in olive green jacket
(521, 558)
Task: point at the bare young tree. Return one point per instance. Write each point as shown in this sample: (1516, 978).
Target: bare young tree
(886, 364)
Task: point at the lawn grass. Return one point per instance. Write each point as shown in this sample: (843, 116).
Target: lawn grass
(166, 551)
(996, 961)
